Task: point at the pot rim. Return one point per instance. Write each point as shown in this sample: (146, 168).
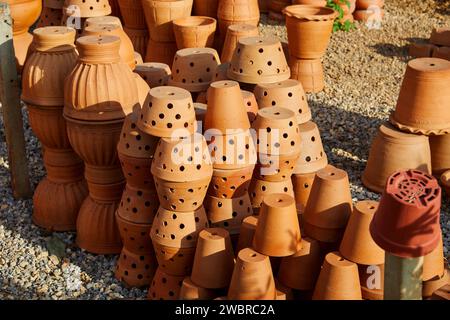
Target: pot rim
(310, 12)
(194, 21)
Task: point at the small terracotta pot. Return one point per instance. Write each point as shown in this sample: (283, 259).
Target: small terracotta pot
(312, 156)
(191, 291)
(228, 184)
(445, 182)
(442, 53)
(423, 78)
(193, 68)
(393, 150)
(302, 188)
(165, 286)
(206, 8)
(329, 205)
(137, 172)
(250, 104)
(135, 269)
(252, 277)
(88, 8)
(135, 236)
(173, 260)
(309, 72)
(214, 259)
(275, 167)
(132, 14)
(440, 157)
(154, 73)
(411, 201)
(162, 52)
(49, 17)
(228, 213)
(300, 271)
(372, 281)
(440, 36)
(430, 286)
(246, 233)
(338, 279)
(259, 189)
(221, 72)
(357, 244)
(194, 32)
(234, 33)
(366, 4)
(139, 39)
(169, 113)
(232, 12)
(434, 263)
(259, 60)
(278, 232)
(138, 205)
(54, 4)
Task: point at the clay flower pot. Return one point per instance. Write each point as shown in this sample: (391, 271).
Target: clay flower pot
(434, 263)
(430, 286)
(366, 4)
(393, 150)
(440, 36)
(312, 156)
(288, 94)
(206, 8)
(173, 260)
(138, 205)
(445, 182)
(283, 292)
(154, 73)
(357, 244)
(194, 32)
(135, 236)
(259, 189)
(102, 20)
(169, 113)
(162, 52)
(139, 39)
(234, 33)
(411, 201)
(338, 279)
(440, 157)
(135, 270)
(259, 60)
(329, 205)
(277, 233)
(371, 278)
(247, 232)
(302, 188)
(309, 72)
(372, 15)
(165, 286)
(229, 184)
(86, 8)
(252, 277)
(423, 78)
(421, 50)
(132, 14)
(232, 12)
(214, 259)
(190, 291)
(193, 68)
(106, 99)
(200, 112)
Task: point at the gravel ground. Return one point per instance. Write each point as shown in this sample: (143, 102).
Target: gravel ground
(364, 69)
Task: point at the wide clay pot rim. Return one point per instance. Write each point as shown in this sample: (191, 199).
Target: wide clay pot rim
(194, 22)
(310, 12)
(92, 122)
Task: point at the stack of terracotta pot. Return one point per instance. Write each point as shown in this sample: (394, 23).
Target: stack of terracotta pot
(134, 21)
(309, 30)
(58, 197)
(369, 11)
(95, 112)
(51, 14)
(159, 15)
(438, 47)
(75, 12)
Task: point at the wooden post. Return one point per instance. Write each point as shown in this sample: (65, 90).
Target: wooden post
(11, 108)
(402, 278)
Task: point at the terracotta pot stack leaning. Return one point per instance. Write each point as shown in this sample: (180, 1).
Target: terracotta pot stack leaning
(159, 15)
(95, 112)
(51, 14)
(134, 24)
(75, 12)
(59, 196)
(369, 11)
(309, 30)
(233, 33)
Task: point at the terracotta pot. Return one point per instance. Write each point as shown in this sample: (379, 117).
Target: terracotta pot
(288, 94)
(154, 73)
(393, 150)
(357, 244)
(103, 175)
(430, 286)
(302, 188)
(259, 189)
(300, 271)
(318, 3)
(338, 279)
(87, 8)
(309, 72)
(411, 201)
(193, 68)
(278, 232)
(162, 52)
(226, 110)
(214, 259)
(234, 33)
(434, 263)
(440, 158)
(206, 8)
(276, 7)
(445, 182)
(221, 72)
(165, 286)
(24, 14)
(275, 167)
(137, 172)
(138, 205)
(132, 14)
(423, 78)
(102, 21)
(228, 184)
(442, 293)
(173, 260)
(135, 236)
(49, 17)
(143, 90)
(421, 50)
(372, 281)
(373, 15)
(228, 213)
(135, 269)
(269, 63)
(191, 291)
(312, 156)
(329, 205)
(139, 39)
(246, 233)
(440, 36)
(250, 104)
(252, 277)
(194, 32)
(160, 14)
(232, 12)
(366, 4)
(442, 53)
(54, 4)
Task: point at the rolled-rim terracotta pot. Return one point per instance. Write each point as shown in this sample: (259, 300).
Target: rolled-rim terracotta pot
(228, 184)
(138, 205)
(434, 263)
(406, 223)
(214, 259)
(206, 8)
(278, 232)
(312, 155)
(165, 286)
(302, 188)
(338, 280)
(439, 36)
(132, 14)
(232, 12)
(371, 278)
(191, 291)
(194, 32)
(259, 189)
(173, 260)
(440, 157)
(246, 233)
(49, 17)
(154, 73)
(139, 39)
(162, 52)
(394, 150)
(233, 34)
(87, 8)
(135, 269)
(423, 78)
(309, 72)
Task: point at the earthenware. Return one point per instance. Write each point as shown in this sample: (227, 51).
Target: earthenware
(206, 8)
(440, 157)
(135, 236)
(430, 286)
(162, 52)
(165, 286)
(174, 260)
(230, 183)
(190, 291)
(137, 57)
(154, 73)
(139, 205)
(259, 189)
(445, 182)
(136, 270)
(247, 233)
(233, 34)
(132, 14)
(442, 53)
(309, 72)
(231, 12)
(434, 263)
(302, 188)
(194, 32)
(373, 15)
(49, 17)
(139, 39)
(87, 8)
(366, 4)
(273, 167)
(276, 8)
(440, 36)
(312, 155)
(221, 72)
(421, 50)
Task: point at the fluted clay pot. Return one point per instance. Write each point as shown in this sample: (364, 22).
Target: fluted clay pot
(411, 201)
(302, 188)
(312, 156)
(194, 32)
(132, 14)
(357, 244)
(329, 205)
(434, 263)
(338, 279)
(135, 270)
(423, 78)
(278, 232)
(234, 33)
(162, 52)
(154, 73)
(371, 278)
(214, 259)
(169, 113)
(445, 182)
(440, 36)
(440, 157)
(259, 189)
(232, 12)
(88, 8)
(49, 17)
(309, 72)
(288, 94)
(252, 277)
(139, 39)
(191, 291)
(246, 233)
(442, 53)
(138, 205)
(165, 286)
(228, 184)
(430, 286)
(193, 68)
(259, 60)
(393, 150)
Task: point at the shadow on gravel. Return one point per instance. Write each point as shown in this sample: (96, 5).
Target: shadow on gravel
(443, 7)
(391, 50)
